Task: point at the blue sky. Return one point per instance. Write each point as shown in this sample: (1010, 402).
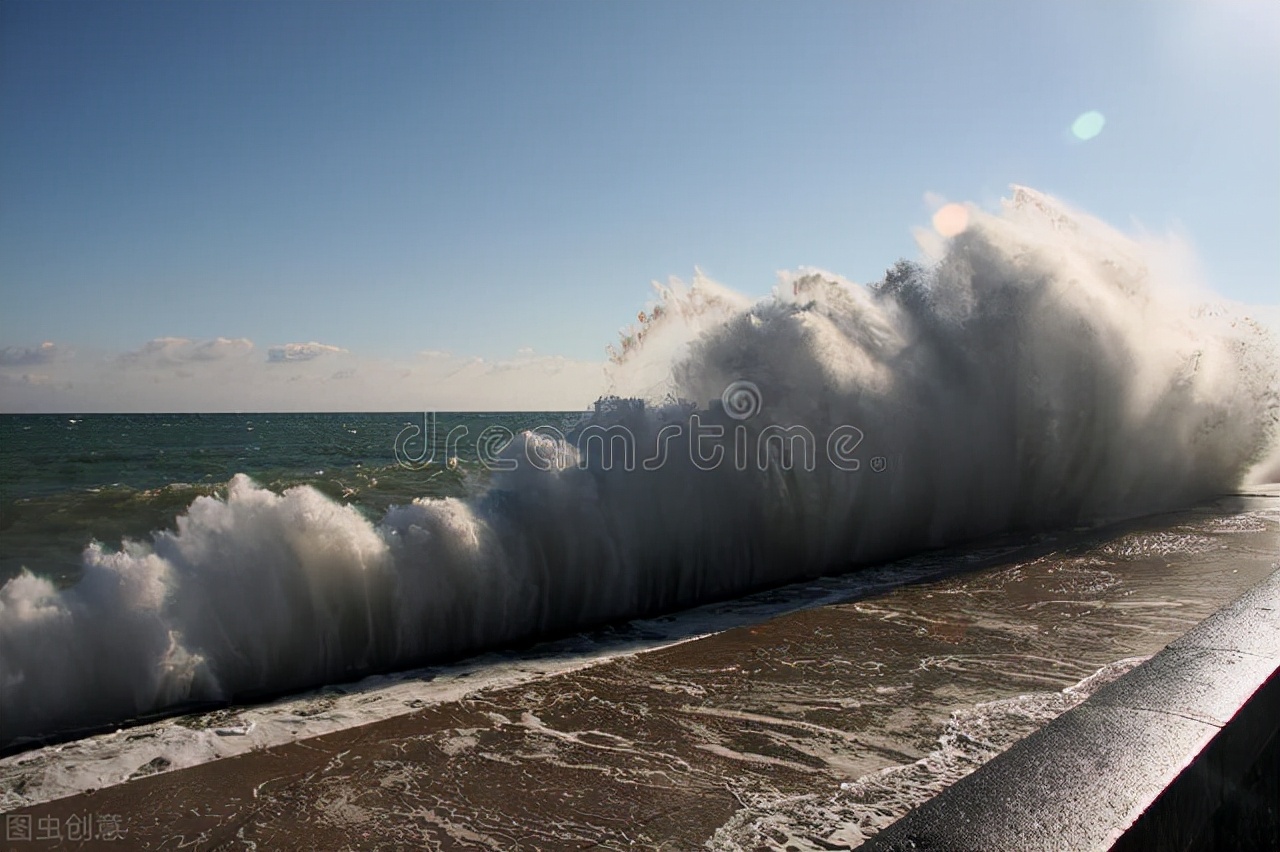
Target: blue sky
(480, 178)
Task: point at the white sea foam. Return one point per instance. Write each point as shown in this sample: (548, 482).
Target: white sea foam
(847, 815)
(1041, 373)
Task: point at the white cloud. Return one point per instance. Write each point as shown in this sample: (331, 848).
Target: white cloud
(301, 351)
(226, 374)
(167, 351)
(27, 355)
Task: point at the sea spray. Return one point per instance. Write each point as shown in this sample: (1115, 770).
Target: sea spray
(1041, 372)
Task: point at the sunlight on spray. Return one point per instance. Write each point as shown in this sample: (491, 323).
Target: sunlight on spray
(951, 219)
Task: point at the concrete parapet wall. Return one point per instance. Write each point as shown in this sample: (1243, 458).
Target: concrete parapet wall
(1181, 753)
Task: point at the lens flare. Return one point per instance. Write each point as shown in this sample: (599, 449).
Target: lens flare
(1088, 125)
(951, 219)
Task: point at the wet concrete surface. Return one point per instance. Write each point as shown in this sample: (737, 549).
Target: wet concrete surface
(813, 730)
(1146, 763)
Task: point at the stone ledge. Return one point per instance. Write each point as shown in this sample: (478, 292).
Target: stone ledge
(1183, 752)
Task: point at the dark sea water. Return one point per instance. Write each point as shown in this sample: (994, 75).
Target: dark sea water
(67, 480)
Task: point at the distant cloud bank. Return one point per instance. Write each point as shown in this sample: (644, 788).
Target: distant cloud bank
(22, 356)
(178, 350)
(232, 374)
(301, 351)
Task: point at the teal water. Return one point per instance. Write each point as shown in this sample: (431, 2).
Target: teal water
(68, 480)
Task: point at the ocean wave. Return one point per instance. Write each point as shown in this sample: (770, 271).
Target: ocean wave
(1042, 372)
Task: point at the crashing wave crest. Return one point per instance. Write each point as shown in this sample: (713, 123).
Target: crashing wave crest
(1040, 373)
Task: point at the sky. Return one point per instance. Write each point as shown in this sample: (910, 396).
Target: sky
(444, 194)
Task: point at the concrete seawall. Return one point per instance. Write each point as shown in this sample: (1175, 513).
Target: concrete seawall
(799, 726)
(1181, 753)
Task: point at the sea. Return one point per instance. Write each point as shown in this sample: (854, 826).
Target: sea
(70, 479)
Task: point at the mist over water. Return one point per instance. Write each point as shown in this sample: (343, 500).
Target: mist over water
(1043, 370)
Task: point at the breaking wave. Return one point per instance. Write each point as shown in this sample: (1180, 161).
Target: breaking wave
(1043, 370)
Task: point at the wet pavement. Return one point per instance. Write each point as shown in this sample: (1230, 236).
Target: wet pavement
(812, 730)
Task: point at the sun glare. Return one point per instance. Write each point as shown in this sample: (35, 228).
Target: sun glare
(1088, 125)
(951, 219)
